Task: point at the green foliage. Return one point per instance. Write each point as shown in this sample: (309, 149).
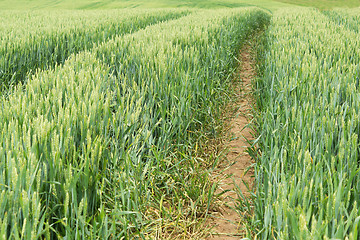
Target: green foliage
(307, 169)
(90, 147)
(324, 4)
(111, 4)
(32, 41)
(207, 4)
(348, 18)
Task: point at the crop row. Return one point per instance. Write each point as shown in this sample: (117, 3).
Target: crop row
(40, 40)
(86, 148)
(308, 158)
(348, 18)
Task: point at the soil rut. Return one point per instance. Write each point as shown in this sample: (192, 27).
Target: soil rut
(226, 223)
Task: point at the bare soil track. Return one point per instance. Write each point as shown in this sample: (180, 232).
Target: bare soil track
(226, 223)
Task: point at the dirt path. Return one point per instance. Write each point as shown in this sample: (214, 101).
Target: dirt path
(226, 222)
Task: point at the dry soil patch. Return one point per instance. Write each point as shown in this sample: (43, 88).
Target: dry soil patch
(226, 223)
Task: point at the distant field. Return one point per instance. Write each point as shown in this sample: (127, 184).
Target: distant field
(324, 4)
(91, 4)
(106, 4)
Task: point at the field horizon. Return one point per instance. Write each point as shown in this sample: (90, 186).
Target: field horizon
(212, 4)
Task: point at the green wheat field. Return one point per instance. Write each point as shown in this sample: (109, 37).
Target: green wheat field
(108, 108)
